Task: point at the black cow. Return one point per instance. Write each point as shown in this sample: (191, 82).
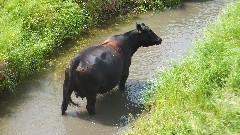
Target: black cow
(98, 69)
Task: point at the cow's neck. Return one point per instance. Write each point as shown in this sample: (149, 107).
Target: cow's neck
(128, 42)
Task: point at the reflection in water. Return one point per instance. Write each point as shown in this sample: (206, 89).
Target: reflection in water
(35, 109)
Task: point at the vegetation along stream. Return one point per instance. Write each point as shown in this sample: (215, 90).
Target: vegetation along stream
(35, 109)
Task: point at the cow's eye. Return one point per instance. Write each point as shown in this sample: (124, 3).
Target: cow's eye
(149, 32)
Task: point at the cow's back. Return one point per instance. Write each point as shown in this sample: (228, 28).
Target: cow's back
(99, 67)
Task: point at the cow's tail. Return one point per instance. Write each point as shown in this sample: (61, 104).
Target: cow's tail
(69, 87)
(72, 103)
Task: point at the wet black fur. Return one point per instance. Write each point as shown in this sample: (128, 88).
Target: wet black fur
(98, 69)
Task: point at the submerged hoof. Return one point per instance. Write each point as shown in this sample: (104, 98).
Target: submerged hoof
(91, 112)
(63, 110)
(90, 109)
(121, 88)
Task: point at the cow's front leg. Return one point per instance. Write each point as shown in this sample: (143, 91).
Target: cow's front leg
(122, 83)
(123, 80)
(91, 100)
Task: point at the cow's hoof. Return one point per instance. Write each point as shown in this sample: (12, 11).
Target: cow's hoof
(121, 88)
(63, 110)
(91, 112)
(90, 109)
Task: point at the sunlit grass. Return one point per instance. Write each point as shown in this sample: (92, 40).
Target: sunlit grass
(201, 95)
(29, 30)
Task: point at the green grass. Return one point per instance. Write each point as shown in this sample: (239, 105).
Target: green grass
(31, 30)
(201, 95)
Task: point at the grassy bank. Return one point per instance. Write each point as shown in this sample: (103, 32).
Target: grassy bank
(201, 95)
(30, 30)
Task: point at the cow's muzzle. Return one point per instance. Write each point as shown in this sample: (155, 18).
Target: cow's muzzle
(158, 41)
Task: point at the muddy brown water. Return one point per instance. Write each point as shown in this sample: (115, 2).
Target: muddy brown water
(36, 108)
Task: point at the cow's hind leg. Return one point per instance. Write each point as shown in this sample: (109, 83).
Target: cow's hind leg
(65, 101)
(67, 91)
(91, 100)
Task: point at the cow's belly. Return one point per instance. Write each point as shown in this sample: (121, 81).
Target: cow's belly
(109, 83)
(105, 89)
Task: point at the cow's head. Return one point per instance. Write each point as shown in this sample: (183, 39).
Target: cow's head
(147, 36)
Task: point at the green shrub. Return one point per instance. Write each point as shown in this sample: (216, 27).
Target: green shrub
(32, 29)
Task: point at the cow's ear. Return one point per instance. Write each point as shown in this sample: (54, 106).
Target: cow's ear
(139, 27)
(143, 24)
